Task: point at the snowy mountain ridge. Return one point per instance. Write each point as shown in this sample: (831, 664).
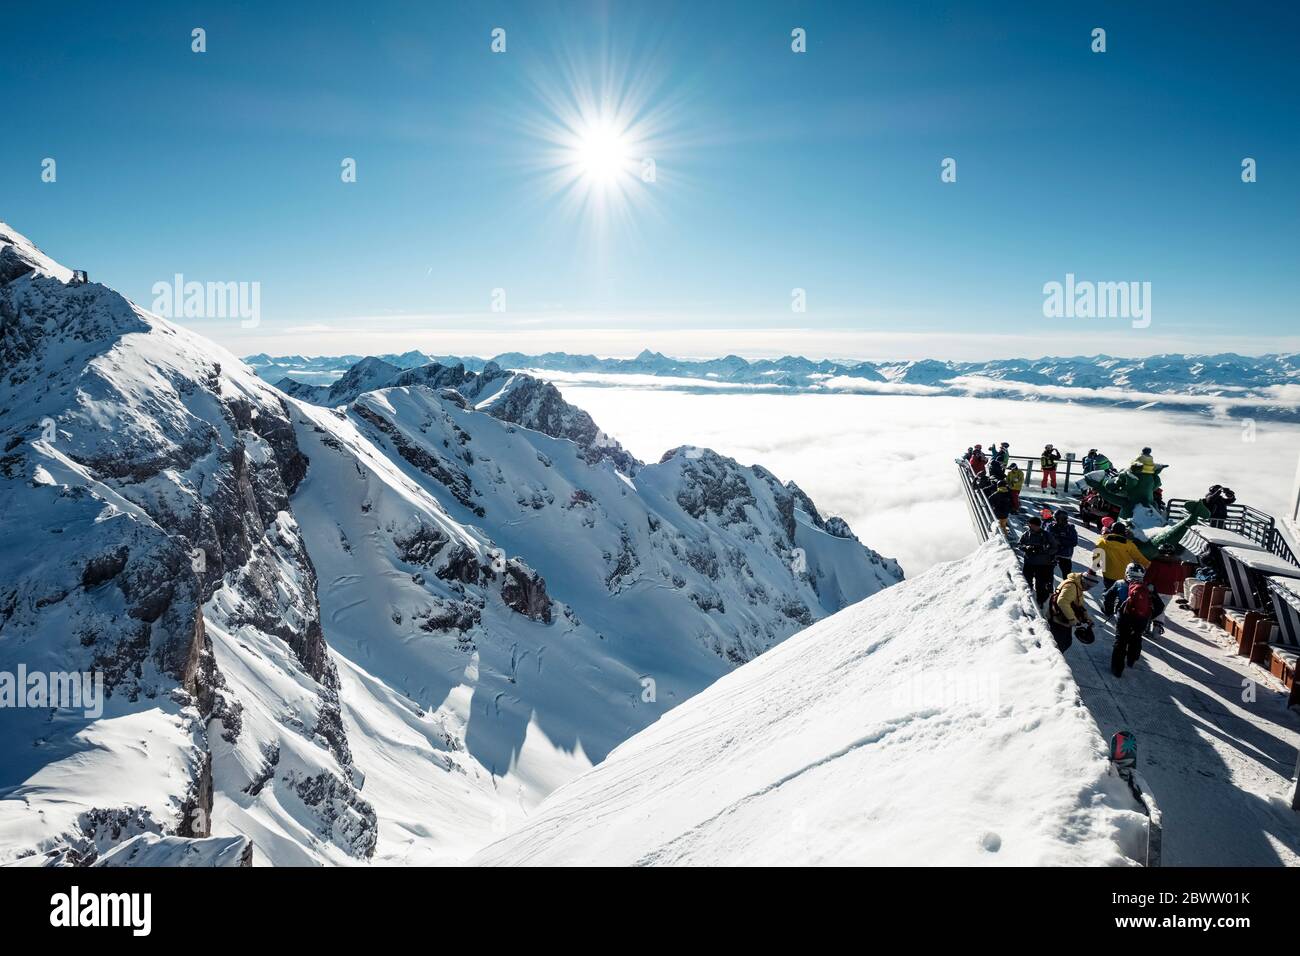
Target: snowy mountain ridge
(1172, 374)
(380, 629)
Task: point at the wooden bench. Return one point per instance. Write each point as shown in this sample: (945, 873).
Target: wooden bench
(1262, 654)
(1255, 627)
(1282, 665)
(1234, 622)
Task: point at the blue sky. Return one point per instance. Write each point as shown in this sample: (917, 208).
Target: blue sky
(775, 171)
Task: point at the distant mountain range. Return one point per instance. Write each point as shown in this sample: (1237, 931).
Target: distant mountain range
(1268, 385)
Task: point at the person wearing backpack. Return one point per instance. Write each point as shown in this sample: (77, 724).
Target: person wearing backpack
(1067, 618)
(1067, 539)
(1138, 605)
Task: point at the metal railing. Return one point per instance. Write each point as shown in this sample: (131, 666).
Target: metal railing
(1251, 523)
(981, 512)
(1070, 468)
(986, 526)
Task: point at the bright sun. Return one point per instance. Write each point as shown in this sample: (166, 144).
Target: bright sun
(601, 140)
(601, 151)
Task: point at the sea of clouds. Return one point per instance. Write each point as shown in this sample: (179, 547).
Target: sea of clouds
(885, 462)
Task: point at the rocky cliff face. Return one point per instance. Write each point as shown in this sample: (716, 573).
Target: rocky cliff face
(510, 396)
(149, 475)
(352, 624)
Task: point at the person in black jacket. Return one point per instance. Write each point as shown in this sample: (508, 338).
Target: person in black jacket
(1067, 539)
(1039, 547)
(1217, 500)
(1000, 500)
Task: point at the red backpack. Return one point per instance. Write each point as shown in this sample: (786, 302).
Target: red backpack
(1138, 603)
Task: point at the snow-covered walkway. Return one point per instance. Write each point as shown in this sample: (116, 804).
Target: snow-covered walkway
(1216, 741)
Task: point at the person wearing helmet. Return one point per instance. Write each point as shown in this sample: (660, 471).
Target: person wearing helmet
(1067, 539)
(1048, 461)
(1138, 606)
(1144, 464)
(978, 460)
(1003, 454)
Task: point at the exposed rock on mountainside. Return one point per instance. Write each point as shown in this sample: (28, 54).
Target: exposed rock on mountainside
(150, 475)
(376, 621)
(843, 747)
(520, 399)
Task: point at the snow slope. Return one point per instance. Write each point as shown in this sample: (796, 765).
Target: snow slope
(465, 701)
(934, 723)
(381, 632)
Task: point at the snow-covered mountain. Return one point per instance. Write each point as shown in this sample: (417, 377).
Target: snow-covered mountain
(1206, 375)
(520, 399)
(326, 369)
(933, 724)
(374, 625)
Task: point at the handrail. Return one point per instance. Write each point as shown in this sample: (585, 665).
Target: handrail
(981, 512)
(1072, 464)
(1258, 526)
(1251, 523)
(986, 526)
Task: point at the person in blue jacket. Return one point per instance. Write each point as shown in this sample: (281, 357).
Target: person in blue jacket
(1067, 539)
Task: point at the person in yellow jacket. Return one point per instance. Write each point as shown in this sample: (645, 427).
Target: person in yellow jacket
(1067, 617)
(1118, 551)
(1015, 481)
(1144, 463)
